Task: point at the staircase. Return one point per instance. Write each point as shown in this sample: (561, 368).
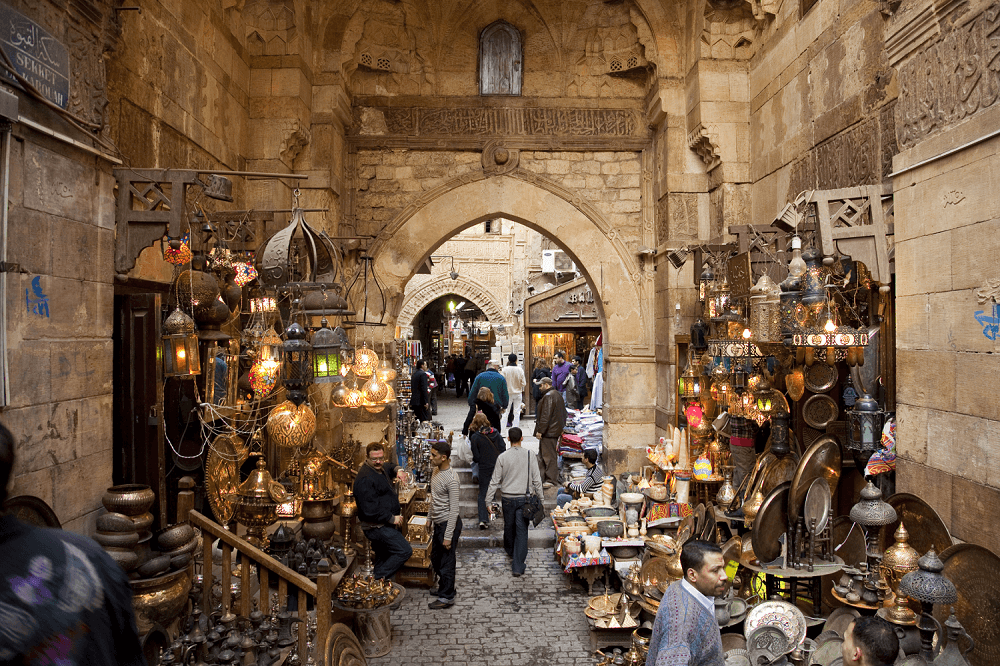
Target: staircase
(543, 536)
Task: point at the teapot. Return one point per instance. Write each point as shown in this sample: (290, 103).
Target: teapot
(952, 654)
(722, 615)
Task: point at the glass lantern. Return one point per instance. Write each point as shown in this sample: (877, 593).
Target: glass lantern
(689, 383)
(765, 320)
(327, 344)
(718, 298)
(865, 428)
(298, 369)
(180, 346)
(705, 283)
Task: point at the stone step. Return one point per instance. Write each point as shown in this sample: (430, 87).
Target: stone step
(543, 536)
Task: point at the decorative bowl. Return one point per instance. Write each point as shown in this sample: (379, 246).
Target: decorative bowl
(632, 498)
(159, 600)
(124, 540)
(623, 552)
(174, 537)
(131, 499)
(115, 522)
(600, 512)
(611, 529)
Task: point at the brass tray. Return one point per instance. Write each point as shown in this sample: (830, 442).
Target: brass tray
(733, 642)
(820, 377)
(226, 455)
(822, 459)
(820, 411)
(699, 520)
(780, 614)
(817, 506)
(922, 522)
(770, 523)
(654, 572)
(973, 569)
(32, 510)
(731, 549)
(781, 470)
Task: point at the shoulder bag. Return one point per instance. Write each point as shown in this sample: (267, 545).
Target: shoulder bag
(533, 509)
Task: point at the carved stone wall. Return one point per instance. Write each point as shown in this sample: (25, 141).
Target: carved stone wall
(469, 288)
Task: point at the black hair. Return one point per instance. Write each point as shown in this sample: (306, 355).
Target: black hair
(442, 446)
(591, 455)
(514, 434)
(693, 554)
(511, 359)
(419, 364)
(877, 640)
(6, 460)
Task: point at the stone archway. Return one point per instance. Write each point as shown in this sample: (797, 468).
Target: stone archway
(441, 285)
(625, 286)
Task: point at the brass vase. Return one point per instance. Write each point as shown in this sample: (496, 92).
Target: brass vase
(257, 504)
(899, 559)
(159, 600)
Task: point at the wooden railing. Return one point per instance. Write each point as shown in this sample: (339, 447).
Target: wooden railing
(320, 591)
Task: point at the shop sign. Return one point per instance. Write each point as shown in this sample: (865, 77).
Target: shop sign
(574, 305)
(36, 55)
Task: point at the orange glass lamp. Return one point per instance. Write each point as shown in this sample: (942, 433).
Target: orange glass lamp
(180, 346)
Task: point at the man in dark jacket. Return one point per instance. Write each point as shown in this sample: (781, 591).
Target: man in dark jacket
(379, 513)
(420, 392)
(550, 419)
(495, 382)
(487, 445)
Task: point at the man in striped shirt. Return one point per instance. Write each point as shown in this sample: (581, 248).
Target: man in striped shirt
(447, 524)
(589, 483)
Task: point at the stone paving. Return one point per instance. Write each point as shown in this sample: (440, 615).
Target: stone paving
(497, 619)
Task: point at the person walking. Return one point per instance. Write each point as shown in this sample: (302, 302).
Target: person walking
(447, 524)
(63, 599)
(484, 405)
(540, 371)
(559, 371)
(420, 392)
(570, 390)
(516, 381)
(379, 513)
(461, 378)
(591, 482)
(550, 419)
(495, 382)
(685, 630)
(487, 444)
(432, 386)
(516, 476)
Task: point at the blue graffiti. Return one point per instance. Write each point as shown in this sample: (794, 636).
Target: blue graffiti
(38, 303)
(990, 324)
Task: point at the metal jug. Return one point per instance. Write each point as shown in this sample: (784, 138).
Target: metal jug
(952, 654)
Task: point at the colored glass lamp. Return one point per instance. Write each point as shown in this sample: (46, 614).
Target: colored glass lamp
(180, 346)
(327, 344)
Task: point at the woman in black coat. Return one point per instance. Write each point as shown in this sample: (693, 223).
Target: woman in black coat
(487, 444)
(484, 404)
(541, 370)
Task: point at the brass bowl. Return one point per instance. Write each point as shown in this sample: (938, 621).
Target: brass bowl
(174, 537)
(160, 600)
(131, 499)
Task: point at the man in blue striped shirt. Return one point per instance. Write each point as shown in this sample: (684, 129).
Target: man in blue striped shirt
(589, 483)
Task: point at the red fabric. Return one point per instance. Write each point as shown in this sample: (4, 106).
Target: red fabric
(740, 441)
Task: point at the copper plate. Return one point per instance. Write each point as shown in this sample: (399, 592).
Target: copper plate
(817, 506)
(922, 522)
(840, 618)
(973, 569)
(654, 571)
(822, 459)
(222, 474)
(699, 520)
(770, 523)
(781, 470)
(827, 651)
(820, 411)
(820, 377)
(32, 510)
(708, 524)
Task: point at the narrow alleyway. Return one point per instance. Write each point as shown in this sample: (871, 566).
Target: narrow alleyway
(497, 620)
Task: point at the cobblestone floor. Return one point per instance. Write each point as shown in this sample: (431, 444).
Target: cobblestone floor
(497, 620)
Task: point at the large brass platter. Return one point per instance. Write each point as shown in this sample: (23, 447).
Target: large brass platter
(973, 569)
(731, 550)
(822, 459)
(699, 520)
(654, 572)
(770, 523)
(782, 470)
(816, 510)
(820, 411)
(222, 474)
(708, 524)
(922, 522)
(820, 377)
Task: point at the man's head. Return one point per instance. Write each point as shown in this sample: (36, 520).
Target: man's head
(440, 453)
(6, 460)
(514, 435)
(559, 359)
(545, 384)
(869, 641)
(376, 454)
(420, 364)
(572, 370)
(590, 458)
(493, 365)
(511, 359)
(704, 567)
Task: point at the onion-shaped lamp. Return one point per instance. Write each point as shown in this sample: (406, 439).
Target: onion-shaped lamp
(365, 362)
(264, 377)
(339, 396)
(180, 346)
(354, 397)
(291, 426)
(386, 372)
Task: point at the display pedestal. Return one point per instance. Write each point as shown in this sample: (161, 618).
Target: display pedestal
(372, 626)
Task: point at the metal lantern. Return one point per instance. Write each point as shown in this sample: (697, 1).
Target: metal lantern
(257, 504)
(689, 383)
(327, 344)
(928, 586)
(865, 420)
(297, 374)
(354, 398)
(718, 298)
(365, 362)
(180, 346)
(297, 254)
(291, 425)
(765, 320)
(705, 283)
(699, 335)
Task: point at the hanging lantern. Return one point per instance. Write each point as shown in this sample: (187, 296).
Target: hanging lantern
(180, 346)
(297, 373)
(705, 283)
(245, 273)
(297, 254)
(365, 362)
(689, 384)
(718, 298)
(181, 254)
(264, 305)
(769, 401)
(354, 398)
(339, 396)
(374, 391)
(386, 372)
(865, 428)
(721, 390)
(291, 426)
(324, 303)
(694, 414)
(264, 377)
(368, 294)
(327, 344)
(765, 320)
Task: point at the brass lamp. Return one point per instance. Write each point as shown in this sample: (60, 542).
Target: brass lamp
(689, 384)
(180, 346)
(928, 586)
(291, 426)
(865, 429)
(899, 559)
(257, 503)
(872, 512)
(765, 320)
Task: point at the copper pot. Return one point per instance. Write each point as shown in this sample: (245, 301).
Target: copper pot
(160, 600)
(131, 499)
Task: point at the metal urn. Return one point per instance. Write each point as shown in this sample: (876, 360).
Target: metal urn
(257, 503)
(899, 559)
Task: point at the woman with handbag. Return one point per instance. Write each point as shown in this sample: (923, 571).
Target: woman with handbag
(517, 475)
(487, 444)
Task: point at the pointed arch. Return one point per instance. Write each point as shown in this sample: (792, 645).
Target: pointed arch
(466, 287)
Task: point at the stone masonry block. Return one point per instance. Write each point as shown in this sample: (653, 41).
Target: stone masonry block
(974, 249)
(29, 239)
(928, 483)
(916, 386)
(40, 483)
(919, 264)
(56, 184)
(81, 368)
(952, 324)
(974, 504)
(958, 444)
(912, 433)
(611, 168)
(89, 477)
(971, 397)
(29, 370)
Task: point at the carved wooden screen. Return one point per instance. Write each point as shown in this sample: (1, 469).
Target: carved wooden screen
(500, 62)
